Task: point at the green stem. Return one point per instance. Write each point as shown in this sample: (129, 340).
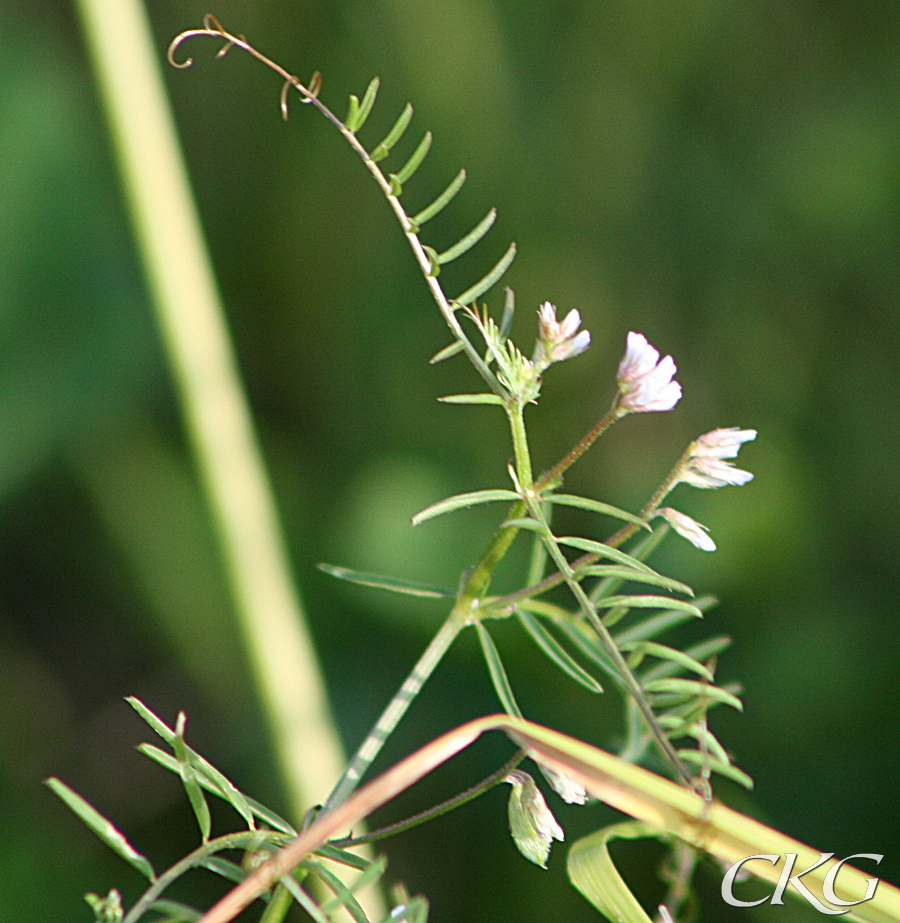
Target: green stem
(616, 540)
(580, 447)
(279, 905)
(516, 415)
(463, 613)
(396, 709)
(410, 231)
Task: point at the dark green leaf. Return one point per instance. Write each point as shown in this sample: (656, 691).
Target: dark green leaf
(498, 674)
(406, 587)
(442, 200)
(102, 827)
(556, 652)
(494, 276)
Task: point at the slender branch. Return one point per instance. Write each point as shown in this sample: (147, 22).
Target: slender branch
(627, 677)
(396, 709)
(580, 447)
(457, 801)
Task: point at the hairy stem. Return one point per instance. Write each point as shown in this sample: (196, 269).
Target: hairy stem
(626, 674)
(396, 709)
(457, 801)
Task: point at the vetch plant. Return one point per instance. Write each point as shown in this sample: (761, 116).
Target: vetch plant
(606, 635)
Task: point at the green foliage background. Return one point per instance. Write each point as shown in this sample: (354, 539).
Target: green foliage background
(721, 176)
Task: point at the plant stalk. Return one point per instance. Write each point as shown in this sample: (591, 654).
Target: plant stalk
(216, 413)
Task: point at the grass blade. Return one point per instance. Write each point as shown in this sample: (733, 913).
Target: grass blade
(595, 875)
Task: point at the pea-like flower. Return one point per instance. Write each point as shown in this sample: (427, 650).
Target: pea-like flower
(645, 382)
(559, 340)
(693, 531)
(565, 786)
(707, 466)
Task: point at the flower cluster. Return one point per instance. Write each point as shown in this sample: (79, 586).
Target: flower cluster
(704, 465)
(707, 466)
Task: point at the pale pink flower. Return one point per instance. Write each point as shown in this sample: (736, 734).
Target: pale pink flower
(693, 531)
(722, 443)
(646, 383)
(707, 467)
(559, 340)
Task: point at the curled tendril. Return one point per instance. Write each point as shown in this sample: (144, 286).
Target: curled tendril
(212, 26)
(284, 99)
(309, 93)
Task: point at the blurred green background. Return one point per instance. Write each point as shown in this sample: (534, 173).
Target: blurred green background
(721, 176)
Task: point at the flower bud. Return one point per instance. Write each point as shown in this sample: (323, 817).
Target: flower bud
(531, 823)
